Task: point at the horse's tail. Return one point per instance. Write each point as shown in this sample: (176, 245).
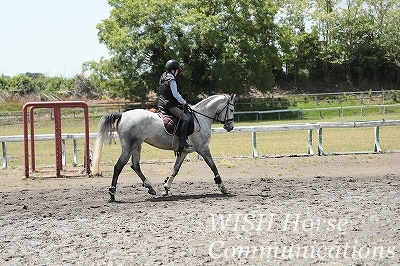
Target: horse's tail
(107, 124)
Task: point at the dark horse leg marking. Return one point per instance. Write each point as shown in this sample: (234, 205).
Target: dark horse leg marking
(130, 150)
(206, 154)
(123, 159)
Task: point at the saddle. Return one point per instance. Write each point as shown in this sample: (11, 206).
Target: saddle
(172, 124)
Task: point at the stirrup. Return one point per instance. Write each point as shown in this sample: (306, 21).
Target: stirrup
(183, 144)
(178, 152)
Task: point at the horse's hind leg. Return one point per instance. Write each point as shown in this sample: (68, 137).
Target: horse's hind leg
(169, 179)
(136, 167)
(123, 159)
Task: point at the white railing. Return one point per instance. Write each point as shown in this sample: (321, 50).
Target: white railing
(253, 129)
(42, 137)
(316, 126)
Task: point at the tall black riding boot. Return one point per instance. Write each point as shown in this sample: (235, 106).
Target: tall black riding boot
(182, 135)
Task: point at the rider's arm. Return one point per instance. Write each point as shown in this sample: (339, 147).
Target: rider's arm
(175, 93)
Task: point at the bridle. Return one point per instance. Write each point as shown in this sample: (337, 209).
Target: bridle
(227, 121)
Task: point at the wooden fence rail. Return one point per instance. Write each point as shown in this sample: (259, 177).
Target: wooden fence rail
(100, 109)
(253, 129)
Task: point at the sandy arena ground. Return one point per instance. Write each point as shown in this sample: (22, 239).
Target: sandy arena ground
(331, 210)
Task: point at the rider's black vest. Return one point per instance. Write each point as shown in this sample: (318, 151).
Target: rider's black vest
(166, 99)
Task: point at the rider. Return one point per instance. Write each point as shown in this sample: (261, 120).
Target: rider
(171, 99)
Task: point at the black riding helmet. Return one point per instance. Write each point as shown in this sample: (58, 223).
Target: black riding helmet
(172, 64)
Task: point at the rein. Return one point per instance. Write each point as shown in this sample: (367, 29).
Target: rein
(215, 118)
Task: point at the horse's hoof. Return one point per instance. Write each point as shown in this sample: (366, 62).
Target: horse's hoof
(166, 193)
(111, 192)
(96, 175)
(112, 198)
(224, 190)
(152, 191)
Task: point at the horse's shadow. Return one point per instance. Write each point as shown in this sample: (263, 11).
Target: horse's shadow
(178, 198)
(190, 197)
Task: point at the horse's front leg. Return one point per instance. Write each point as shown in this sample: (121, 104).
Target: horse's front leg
(169, 179)
(136, 167)
(206, 154)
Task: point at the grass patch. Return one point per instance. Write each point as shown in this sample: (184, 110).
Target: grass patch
(10, 107)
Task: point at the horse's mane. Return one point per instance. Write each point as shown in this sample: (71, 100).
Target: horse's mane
(209, 99)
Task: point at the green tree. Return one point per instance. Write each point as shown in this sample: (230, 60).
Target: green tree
(391, 41)
(385, 27)
(223, 45)
(3, 82)
(355, 38)
(351, 41)
(21, 84)
(84, 87)
(300, 47)
(54, 84)
(324, 18)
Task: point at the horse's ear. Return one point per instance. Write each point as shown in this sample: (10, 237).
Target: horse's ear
(233, 95)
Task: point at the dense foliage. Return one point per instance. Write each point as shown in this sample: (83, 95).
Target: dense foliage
(47, 87)
(242, 45)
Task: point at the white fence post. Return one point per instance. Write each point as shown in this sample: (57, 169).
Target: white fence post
(64, 153)
(377, 145)
(320, 148)
(309, 146)
(4, 146)
(75, 162)
(254, 140)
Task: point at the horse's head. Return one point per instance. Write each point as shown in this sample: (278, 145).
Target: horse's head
(225, 113)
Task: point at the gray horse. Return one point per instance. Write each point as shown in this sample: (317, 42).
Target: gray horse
(137, 126)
